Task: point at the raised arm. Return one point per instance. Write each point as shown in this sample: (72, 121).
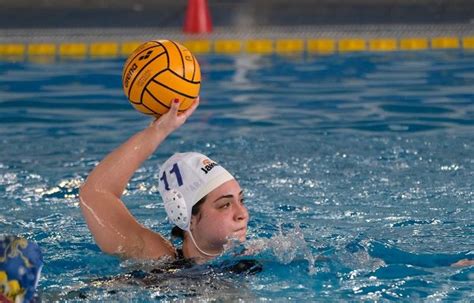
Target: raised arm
(114, 228)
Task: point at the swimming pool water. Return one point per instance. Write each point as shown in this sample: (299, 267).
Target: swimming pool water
(357, 170)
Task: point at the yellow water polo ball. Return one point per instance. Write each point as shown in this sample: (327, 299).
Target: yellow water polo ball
(158, 72)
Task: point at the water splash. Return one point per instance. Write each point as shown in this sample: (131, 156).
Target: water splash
(286, 247)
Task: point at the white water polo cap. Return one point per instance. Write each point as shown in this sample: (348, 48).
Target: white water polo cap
(185, 178)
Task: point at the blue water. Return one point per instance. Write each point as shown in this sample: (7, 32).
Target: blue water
(357, 170)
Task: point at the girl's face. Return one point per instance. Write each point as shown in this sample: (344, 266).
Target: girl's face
(222, 216)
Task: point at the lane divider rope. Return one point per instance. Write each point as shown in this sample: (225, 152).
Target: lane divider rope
(111, 49)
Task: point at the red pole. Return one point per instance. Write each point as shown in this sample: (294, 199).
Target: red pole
(198, 18)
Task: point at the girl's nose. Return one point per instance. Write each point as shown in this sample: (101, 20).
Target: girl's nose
(241, 212)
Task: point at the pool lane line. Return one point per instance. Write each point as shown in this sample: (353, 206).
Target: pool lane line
(111, 49)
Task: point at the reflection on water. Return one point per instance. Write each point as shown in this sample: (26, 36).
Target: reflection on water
(357, 170)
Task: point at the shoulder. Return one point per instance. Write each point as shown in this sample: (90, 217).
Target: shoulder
(152, 245)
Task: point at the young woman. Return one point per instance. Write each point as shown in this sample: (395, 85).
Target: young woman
(200, 197)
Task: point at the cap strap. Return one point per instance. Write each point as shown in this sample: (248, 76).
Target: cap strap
(200, 250)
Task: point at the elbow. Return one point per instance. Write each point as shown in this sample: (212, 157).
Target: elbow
(87, 198)
(83, 193)
(86, 190)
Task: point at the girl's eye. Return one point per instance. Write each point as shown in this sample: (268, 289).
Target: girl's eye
(226, 205)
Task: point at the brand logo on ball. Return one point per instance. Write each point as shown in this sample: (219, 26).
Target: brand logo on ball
(145, 56)
(130, 74)
(208, 165)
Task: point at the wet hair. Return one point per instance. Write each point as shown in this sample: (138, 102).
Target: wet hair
(177, 232)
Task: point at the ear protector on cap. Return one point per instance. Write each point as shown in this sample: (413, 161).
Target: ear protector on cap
(176, 208)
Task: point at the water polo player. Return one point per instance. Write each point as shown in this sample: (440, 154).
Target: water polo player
(201, 198)
(21, 262)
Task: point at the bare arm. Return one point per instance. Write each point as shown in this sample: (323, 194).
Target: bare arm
(114, 228)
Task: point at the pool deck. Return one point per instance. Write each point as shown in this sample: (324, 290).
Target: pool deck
(262, 32)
